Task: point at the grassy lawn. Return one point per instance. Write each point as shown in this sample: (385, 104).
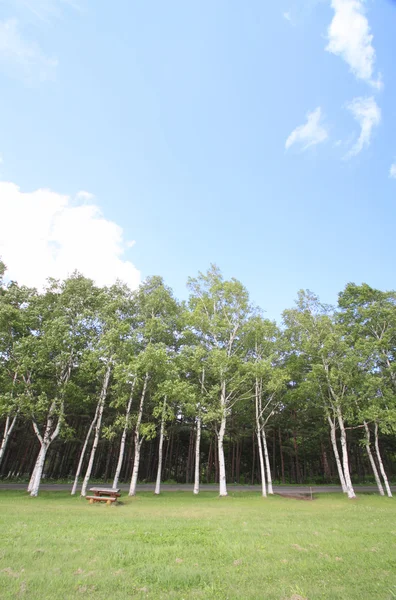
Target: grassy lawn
(179, 546)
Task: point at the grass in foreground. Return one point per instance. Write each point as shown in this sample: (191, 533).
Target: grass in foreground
(179, 546)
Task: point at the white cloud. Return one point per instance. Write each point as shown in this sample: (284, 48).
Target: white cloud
(392, 171)
(368, 114)
(21, 58)
(287, 16)
(85, 196)
(350, 37)
(309, 134)
(45, 234)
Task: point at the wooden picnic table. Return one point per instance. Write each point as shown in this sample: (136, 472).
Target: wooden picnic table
(108, 495)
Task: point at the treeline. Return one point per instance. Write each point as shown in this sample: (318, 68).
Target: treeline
(130, 386)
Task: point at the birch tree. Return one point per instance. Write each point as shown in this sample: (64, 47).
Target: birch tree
(218, 312)
(158, 324)
(368, 319)
(17, 321)
(270, 378)
(49, 357)
(115, 323)
(314, 333)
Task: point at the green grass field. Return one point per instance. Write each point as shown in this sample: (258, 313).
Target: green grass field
(179, 546)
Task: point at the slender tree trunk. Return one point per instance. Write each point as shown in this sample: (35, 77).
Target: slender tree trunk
(190, 455)
(267, 462)
(33, 475)
(326, 467)
(210, 462)
(281, 457)
(273, 453)
(9, 426)
(258, 433)
(381, 465)
(372, 461)
(197, 456)
(253, 457)
(50, 435)
(160, 446)
(102, 400)
(46, 441)
(138, 441)
(198, 440)
(83, 451)
(220, 443)
(298, 470)
(38, 471)
(345, 463)
(123, 437)
(336, 453)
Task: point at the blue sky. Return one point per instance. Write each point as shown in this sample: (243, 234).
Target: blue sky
(171, 124)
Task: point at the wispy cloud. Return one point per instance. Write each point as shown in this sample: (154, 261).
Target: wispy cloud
(44, 10)
(287, 16)
(350, 37)
(21, 58)
(311, 133)
(392, 171)
(368, 114)
(61, 234)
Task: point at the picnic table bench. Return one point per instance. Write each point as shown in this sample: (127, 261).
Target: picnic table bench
(108, 495)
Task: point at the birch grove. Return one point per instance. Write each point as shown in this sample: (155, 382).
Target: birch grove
(127, 386)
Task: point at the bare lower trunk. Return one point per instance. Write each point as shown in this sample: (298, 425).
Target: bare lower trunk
(197, 456)
(123, 438)
(258, 433)
(38, 470)
(138, 441)
(345, 463)
(220, 443)
(135, 472)
(83, 451)
(336, 453)
(267, 462)
(381, 465)
(262, 466)
(33, 475)
(372, 461)
(6, 436)
(160, 446)
(9, 426)
(50, 434)
(101, 404)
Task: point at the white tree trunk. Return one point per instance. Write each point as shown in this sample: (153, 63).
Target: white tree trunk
(102, 400)
(138, 441)
(33, 475)
(258, 433)
(381, 466)
(197, 456)
(345, 463)
(267, 462)
(9, 426)
(38, 471)
(262, 466)
(123, 438)
(220, 443)
(372, 461)
(46, 440)
(83, 451)
(160, 446)
(336, 453)
(135, 472)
